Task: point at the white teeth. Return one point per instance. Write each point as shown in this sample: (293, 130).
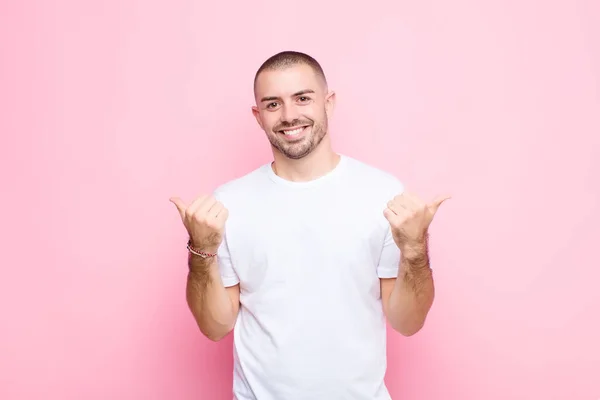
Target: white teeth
(294, 132)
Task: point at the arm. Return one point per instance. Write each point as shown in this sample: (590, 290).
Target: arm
(408, 298)
(214, 307)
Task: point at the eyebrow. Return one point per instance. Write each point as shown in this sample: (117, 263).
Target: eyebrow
(300, 93)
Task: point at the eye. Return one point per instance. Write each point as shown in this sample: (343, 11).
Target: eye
(303, 99)
(271, 105)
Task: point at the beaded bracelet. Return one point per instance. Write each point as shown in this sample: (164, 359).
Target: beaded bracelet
(199, 253)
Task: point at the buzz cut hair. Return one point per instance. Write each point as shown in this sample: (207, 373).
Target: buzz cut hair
(290, 58)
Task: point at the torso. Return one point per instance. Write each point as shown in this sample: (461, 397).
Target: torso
(311, 323)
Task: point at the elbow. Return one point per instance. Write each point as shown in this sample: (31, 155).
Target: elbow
(214, 329)
(408, 331)
(407, 326)
(216, 334)
(215, 337)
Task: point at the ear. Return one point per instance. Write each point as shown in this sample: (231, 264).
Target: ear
(256, 113)
(330, 103)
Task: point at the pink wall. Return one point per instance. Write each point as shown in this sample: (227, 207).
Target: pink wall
(110, 108)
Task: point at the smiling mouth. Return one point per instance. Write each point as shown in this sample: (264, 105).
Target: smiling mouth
(293, 131)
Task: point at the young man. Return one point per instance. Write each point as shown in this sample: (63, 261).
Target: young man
(307, 256)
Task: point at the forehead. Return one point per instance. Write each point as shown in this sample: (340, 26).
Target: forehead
(285, 81)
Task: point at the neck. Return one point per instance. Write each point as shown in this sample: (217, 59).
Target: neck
(318, 163)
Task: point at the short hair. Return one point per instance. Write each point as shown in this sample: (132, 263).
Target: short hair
(290, 58)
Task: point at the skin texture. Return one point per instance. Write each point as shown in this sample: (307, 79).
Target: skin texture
(290, 97)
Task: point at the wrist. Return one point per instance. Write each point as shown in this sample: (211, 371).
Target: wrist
(203, 247)
(199, 265)
(416, 248)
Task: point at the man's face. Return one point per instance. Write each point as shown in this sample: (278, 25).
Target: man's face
(293, 108)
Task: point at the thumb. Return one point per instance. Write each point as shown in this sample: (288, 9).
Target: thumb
(437, 202)
(180, 205)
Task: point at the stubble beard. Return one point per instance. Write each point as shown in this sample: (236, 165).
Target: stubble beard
(304, 146)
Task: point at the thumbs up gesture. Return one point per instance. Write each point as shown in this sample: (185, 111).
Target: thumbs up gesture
(410, 217)
(204, 219)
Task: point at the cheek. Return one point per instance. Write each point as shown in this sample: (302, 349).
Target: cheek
(319, 113)
(311, 113)
(268, 120)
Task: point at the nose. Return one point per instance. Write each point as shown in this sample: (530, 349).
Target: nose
(289, 113)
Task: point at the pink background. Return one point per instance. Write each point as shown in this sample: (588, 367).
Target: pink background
(109, 108)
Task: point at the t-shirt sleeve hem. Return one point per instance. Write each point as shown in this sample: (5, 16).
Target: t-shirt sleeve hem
(229, 281)
(387, 272)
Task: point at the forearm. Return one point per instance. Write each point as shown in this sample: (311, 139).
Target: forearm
(208, 299)
(413, 292)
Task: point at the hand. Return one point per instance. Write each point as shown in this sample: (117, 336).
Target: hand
(204, 220)
(409, 218)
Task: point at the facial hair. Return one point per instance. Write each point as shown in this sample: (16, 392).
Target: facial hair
(304, 146)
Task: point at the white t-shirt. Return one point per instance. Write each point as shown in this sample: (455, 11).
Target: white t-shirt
(308, 257)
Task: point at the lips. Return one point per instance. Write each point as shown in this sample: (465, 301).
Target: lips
(295, 131)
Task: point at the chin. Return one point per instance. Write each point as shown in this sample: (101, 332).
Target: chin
(296, 152)
(297, 156)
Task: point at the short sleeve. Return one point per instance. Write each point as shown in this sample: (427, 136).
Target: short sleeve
(389, 262)
(228, 274)
(226, 268)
